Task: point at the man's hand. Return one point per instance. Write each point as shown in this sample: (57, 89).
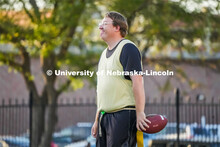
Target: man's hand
(94, 129)
(141, 121)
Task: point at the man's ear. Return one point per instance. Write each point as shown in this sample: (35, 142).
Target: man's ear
(117, 28)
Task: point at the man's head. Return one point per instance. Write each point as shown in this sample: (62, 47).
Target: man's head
(113, 23)
(119, 20)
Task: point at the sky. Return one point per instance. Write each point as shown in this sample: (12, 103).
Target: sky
(190, 5)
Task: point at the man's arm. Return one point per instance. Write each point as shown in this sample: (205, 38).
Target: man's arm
(95, 125)
(139, 95)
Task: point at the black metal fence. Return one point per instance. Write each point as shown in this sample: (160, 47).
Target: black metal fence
(195, 123)
(189, 122)
(14, 117)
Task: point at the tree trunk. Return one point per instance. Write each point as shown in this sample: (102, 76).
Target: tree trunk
(38, 112)
(51, 118)
(49, 126)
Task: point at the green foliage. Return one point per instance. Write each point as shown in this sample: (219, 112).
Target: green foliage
(165, 21)
(44, 32)
(152, 23)
(76, 83)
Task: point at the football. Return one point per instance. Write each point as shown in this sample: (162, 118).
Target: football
(158, 122)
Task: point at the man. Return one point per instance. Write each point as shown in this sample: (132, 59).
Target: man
(120, 98)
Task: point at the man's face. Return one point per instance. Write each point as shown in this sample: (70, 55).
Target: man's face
(107, 29)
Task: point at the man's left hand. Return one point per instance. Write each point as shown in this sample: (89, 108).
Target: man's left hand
(141, 123)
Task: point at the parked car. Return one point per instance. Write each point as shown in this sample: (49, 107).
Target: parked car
(83, 143)
(16, 141)
(71, 134)
(169, 132)
(209, 133)
(3, 144)
(148, 137)
(91, 141)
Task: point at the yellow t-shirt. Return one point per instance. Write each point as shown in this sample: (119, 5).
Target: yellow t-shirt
(114, 92)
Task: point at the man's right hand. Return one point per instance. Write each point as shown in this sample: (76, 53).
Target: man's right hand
(94, 130)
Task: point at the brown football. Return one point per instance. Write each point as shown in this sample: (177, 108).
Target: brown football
(158, 122)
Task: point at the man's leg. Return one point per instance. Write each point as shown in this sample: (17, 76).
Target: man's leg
(120, 128)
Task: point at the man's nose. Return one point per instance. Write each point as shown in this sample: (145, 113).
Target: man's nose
(100, 27)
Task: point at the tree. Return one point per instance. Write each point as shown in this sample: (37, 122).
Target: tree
(175, 25)
(45, 33)
(49, 31)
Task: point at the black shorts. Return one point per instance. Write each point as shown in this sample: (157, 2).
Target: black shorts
(118, 129)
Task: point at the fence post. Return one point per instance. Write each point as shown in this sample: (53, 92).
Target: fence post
(30, 116)
(177, 115)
